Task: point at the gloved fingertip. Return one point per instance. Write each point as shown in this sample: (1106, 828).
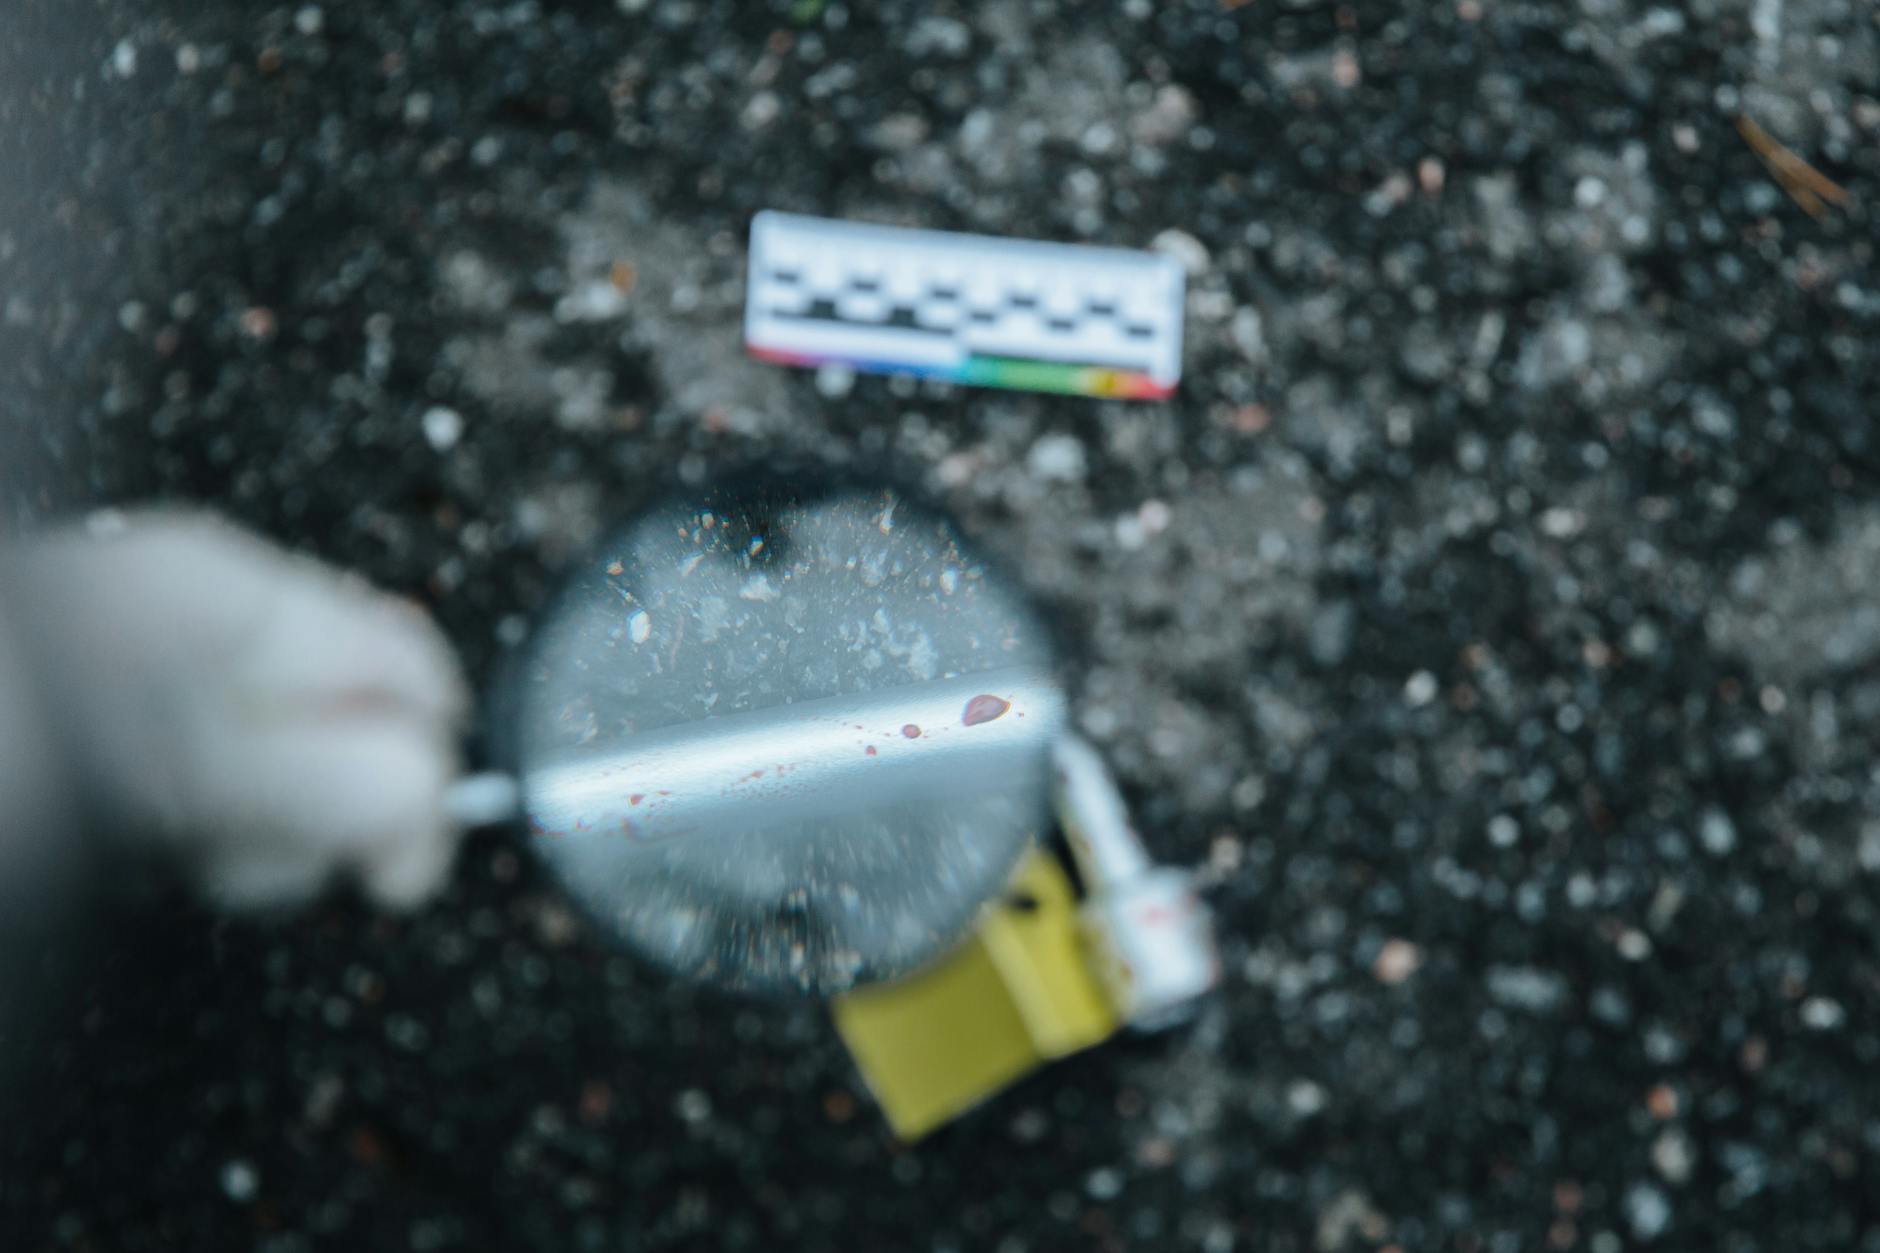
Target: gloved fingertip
(403, 877)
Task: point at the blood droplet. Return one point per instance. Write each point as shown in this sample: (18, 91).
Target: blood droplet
(870, 750)
(984, 708)
(911, 731)
(636, 798)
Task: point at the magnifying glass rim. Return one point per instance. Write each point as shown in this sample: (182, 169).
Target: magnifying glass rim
(789, 482)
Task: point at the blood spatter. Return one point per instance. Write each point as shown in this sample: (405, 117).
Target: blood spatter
(870, 750)
(984, 708)
(911, 731)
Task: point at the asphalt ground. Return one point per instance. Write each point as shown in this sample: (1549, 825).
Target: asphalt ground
(1492, 619)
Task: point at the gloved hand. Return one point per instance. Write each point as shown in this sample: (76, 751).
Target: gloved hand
(271, 720)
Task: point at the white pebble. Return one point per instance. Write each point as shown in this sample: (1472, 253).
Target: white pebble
(835, 380)
(1210, 306)
(443, 427)
(1717, 832)
(1305, 1098)
(1526, 987)
(760, 110)
(1248, 332)
(1185, 248)
(1562, 523)
(1673, 1157)
(1867, 853)
(1819, 1013)
(239, 1180)
(1420, 689)
(1057, 459)
(1647, 1210)
(597, 301)
(1100, 137)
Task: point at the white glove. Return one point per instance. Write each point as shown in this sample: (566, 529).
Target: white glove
(271, 719)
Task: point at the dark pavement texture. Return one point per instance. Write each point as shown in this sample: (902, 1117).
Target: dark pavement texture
(1493, 618)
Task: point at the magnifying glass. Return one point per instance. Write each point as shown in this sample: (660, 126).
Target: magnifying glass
(783, 738)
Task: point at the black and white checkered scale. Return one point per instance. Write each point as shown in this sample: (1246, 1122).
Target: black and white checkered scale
(823, 287)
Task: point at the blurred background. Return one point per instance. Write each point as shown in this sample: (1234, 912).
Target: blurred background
(1492, 619)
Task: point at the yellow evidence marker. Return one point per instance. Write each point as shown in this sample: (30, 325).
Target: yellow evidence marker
(1047, 972)
(1020, 991)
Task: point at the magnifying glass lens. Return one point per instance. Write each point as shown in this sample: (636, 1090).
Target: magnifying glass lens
(784, 741)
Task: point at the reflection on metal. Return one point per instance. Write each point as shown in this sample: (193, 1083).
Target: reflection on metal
(815, 759)
(784, 741)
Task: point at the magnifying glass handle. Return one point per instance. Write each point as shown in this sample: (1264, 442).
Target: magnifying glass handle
(483, 800)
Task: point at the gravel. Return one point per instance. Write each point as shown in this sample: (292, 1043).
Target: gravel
(1523, 478)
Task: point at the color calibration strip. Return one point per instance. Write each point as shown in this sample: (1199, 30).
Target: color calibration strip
(974, 309)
